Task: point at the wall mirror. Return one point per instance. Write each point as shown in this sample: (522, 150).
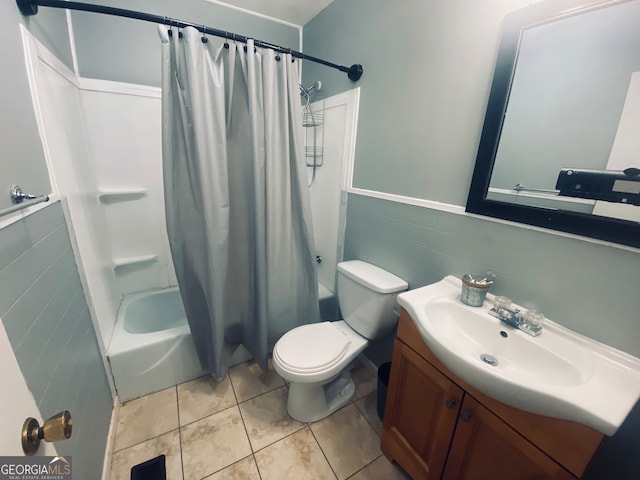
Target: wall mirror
(560, 146)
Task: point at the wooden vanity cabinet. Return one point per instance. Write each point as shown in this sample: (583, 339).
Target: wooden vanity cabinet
(436, 426)
(420, 414)
(484, 447)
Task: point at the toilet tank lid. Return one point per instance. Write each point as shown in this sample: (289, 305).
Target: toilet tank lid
(372, 277)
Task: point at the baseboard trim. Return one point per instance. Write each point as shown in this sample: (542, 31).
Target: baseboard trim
(366, 361)
(111, 438)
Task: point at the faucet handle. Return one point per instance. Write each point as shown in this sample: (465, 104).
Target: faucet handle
(534, 319)
(502, 302)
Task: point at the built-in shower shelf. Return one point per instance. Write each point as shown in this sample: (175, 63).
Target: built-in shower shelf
(129, 261)
(113, 195)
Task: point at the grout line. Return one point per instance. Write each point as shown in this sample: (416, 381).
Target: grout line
(323, 454)
(231, 465)
(210, 415)
(62, 316)
(280, 439)
(233, 389)
(145, 440)
(304, 425)
(364, 467)
(244, 425)
(363, 413)
(261, 394)
(40, 273)
(179, 431)
(256, 464)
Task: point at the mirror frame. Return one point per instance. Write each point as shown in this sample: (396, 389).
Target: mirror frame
(604, 228)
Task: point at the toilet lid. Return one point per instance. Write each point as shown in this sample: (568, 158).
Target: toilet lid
(311, 348)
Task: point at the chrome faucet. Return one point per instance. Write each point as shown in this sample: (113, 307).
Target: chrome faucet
(529, 322)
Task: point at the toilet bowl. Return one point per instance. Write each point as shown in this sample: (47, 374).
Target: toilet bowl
(316, 359)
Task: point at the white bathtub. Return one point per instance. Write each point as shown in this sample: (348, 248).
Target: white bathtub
(151, 347)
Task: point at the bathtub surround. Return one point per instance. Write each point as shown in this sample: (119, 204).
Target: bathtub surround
(236, 198)
(151, 347)
(96, 190)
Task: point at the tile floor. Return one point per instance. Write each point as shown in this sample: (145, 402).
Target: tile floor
(239, 429)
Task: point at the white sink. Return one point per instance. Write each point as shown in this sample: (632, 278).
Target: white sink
(559, 373)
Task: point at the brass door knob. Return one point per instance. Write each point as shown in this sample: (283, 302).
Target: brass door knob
(54, 429)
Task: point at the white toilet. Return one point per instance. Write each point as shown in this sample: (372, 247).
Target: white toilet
(316, 358)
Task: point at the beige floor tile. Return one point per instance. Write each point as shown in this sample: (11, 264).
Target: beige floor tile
(365, 378)
(213, 443)
(250, 381)
(368, 406)
(167, 444)
(146, 417)
(266, 418)
(202, 397)
(347, 440)
(381, 469)
(245, 469)
(296, 457)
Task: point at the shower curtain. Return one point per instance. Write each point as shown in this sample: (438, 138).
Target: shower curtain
(236, 200)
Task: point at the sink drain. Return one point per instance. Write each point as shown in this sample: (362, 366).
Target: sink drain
(490, 359)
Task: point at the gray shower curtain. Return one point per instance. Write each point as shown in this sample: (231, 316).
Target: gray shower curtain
(237, 205)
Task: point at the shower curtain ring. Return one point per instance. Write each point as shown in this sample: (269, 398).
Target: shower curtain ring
(204, 34)
(167, 21)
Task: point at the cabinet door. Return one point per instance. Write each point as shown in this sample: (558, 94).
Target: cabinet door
(486, 448)
(420, 415)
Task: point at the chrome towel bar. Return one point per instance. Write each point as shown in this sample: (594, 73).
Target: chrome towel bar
(22, 200)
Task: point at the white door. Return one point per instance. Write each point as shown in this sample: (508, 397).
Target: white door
(16, 402)
(624, 152)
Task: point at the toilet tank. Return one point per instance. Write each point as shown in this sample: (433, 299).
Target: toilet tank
(367, 295)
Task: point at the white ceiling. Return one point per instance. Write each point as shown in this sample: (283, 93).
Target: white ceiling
(298, 12)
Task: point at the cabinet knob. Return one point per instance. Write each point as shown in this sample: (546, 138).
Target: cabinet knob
(465, 417)
(450, 403)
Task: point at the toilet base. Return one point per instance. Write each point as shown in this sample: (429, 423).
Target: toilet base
(313, 402)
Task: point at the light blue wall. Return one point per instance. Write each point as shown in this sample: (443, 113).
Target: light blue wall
(428, 68)
(587, 287)
(47, 320)
(125, 50)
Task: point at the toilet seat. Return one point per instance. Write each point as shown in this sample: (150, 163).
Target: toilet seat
(311, 348)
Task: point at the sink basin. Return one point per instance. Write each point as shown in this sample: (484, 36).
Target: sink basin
(558, 374)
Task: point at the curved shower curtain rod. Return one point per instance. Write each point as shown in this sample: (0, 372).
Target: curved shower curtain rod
(30, 7)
